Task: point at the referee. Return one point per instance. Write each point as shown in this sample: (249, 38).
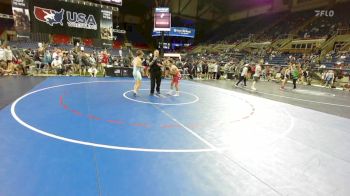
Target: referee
(155, 72)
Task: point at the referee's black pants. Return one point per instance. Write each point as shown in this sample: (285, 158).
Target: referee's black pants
(156, 79)
(295, 83)
(242, 78)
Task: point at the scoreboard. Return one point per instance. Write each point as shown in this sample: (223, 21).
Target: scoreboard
(162, 19)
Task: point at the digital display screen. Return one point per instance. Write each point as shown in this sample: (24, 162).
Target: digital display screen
(177, 32)
(115, 2)
(162, 19)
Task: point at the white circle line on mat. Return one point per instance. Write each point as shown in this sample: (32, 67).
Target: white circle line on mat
(157, 103)
(113, 147)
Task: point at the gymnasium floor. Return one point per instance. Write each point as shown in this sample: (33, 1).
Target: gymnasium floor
(88, 136)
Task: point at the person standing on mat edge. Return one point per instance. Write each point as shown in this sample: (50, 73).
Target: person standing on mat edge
(256, 76)
(137, 66)
(295, 75)
(243, 76)
(155, 67)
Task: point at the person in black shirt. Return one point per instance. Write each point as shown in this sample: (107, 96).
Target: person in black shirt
(155, 72)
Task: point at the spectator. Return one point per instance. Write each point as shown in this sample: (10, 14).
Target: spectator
(67, 65)
(295, 75)
(9, 60)
(243, 76)
(3, 59)
(47, 60)
(329, 77)
(93, 71)
(57, 65)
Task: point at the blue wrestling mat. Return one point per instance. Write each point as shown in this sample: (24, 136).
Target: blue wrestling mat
(88, 136)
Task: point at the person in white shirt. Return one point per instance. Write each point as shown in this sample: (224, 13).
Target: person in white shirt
(210, 70)
(8, 54)
(215, 70)
(93, 71)
(3, 53)
(199, 70)
(243, 76)
(256, 76)
(57, 61)
(55, 53)
(57, 65)
(3, 59)
(329, 78)
(9, 59)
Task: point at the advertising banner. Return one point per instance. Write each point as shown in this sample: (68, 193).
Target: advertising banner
(177, 32)
(59, 17)
(106, 24)
(21, 17)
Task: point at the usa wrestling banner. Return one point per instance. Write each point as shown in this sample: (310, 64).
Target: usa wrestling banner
(58, 17)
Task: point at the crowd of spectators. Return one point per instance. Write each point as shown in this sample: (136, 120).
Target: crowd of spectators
(57, 61)
(227, 64)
